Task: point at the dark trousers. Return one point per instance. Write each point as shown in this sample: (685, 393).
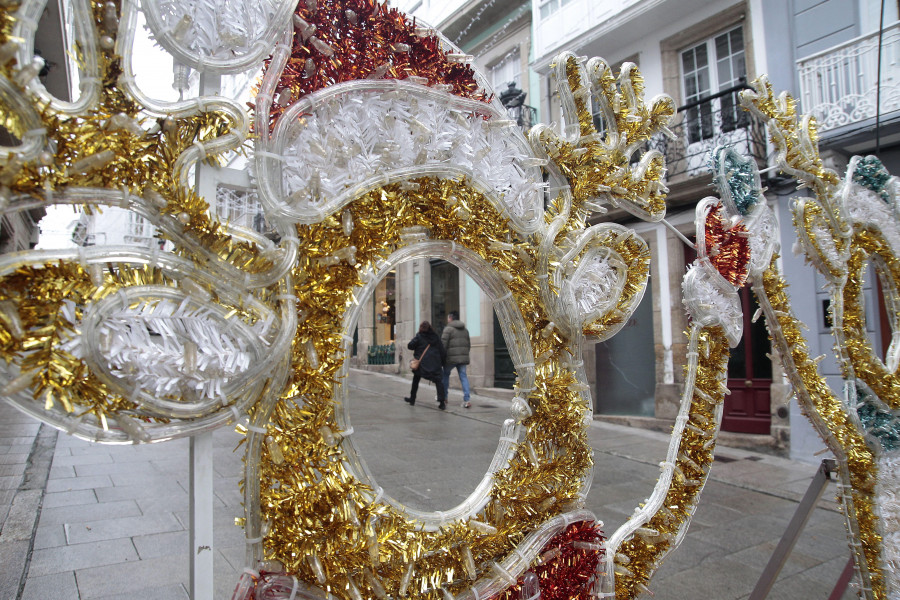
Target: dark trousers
(435, 379)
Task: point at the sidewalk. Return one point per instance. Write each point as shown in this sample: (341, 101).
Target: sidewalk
(110, 522)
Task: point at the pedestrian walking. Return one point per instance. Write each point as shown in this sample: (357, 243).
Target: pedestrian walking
(427, 363)
(455, 338)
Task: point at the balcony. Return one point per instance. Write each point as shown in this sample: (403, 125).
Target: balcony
(701, 126)
(839, 86)
(513, 99)
(525, 116)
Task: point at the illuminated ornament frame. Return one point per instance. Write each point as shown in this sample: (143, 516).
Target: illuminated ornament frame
(313, 512)
(843, 226)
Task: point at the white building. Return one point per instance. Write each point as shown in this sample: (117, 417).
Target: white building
(498, 34)
(701, 53)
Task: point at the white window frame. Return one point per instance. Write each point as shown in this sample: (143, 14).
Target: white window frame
(506, 70)
(549, 7)
(238, 207)
(137, 225)
(700, 122)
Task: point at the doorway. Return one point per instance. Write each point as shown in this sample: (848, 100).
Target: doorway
(504, 369)
(748, 408)
(444, 292)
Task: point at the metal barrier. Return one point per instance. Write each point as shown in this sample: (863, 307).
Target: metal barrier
(381, 354)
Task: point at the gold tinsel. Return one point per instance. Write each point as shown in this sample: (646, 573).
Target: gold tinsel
(317, 506)
(866, 365)
(695, 455)
(799, 155)
(797, 144)
(58, 377)
(140, 162)
(858, 470)
(814, 220)
(311, 501)
(595, 167)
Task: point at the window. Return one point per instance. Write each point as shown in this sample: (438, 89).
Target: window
(240, 208)
(548, 7)
(709, 67)
(507, 70)
(138, 227)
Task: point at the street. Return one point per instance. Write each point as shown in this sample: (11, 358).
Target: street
(113, 519)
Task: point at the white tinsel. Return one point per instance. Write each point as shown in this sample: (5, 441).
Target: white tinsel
(825, 248)
(711, 300)
(149, 342)
(763, 238)
(597, 287)
(866, 208)
(216, 28)
(888, 493)
(359, 137)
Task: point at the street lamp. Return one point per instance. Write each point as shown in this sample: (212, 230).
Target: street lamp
(513, 99)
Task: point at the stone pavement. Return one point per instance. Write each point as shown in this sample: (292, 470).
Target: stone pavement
(110, 522)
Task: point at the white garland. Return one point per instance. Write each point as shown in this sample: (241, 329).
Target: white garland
(598, 288)
(150, 344)
(887, 490)
(824, 245)
(763, 238)
(866, 208)
(216, 28)
(711, 300)
(360, 136)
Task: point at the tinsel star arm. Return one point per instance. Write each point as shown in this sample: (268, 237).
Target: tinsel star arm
(838, 421)
(598, 169)
(127, 343)
(598, 164)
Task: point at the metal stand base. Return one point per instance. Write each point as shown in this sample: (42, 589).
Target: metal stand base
(794, 528)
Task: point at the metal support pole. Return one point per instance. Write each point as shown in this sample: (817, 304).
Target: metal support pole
(794, 528)
(201, 516)
(201, 454)
(843, 581)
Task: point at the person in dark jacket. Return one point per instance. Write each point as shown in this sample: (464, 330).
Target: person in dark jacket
(426, 346)
(455, 339)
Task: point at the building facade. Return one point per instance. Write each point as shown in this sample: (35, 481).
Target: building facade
(498, 36)
(702, 53)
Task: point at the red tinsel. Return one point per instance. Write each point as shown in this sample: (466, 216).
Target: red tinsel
(571, 574)
(728, 249)
(366, 38)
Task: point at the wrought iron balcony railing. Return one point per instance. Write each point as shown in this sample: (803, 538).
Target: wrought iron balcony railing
(840, 85)
(701, 126)
(525, 116)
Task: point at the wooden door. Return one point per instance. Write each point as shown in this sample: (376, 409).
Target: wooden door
(747, 408)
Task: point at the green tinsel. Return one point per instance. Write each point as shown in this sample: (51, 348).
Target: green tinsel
(879, 423)
(740, 178)
(871, 174)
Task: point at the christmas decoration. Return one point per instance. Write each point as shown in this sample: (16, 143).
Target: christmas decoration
(374, 142)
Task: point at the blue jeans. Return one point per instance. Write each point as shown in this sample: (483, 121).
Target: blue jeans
(463, 378)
